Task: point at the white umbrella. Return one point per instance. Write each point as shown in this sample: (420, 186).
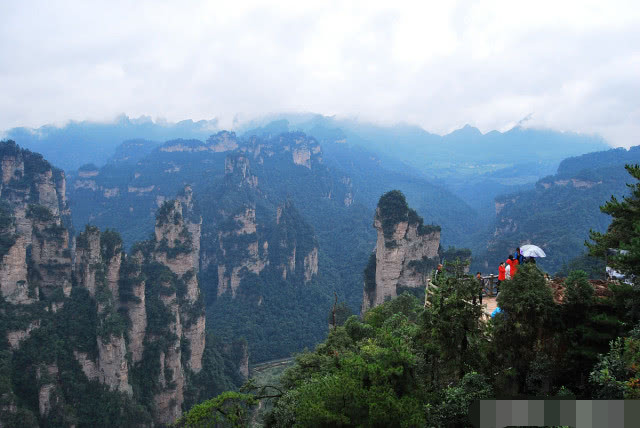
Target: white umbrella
(532, 251)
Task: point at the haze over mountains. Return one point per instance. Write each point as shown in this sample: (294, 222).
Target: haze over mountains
(94, 142)
(77, 143)
(196, 196)
(475, 166)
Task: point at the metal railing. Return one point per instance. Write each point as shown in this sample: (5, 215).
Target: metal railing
(490, 285)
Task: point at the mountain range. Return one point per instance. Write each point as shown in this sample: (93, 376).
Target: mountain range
(329, 175)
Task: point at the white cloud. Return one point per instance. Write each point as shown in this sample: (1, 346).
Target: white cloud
(573, 65)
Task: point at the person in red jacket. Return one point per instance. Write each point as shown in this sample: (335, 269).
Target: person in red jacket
(514, 265)
(502, 276)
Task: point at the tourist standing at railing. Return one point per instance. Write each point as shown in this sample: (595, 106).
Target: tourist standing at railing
(480, 287)
(519, 257)
(502, 276)
(513, 265)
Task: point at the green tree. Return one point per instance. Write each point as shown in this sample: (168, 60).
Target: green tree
(526, 322)
(452, 325)
(229, 409)
(579, 292)
(617, 374)
(623, 232)
(453, 407)
(365, 374)
(339, 313)
(588, 325)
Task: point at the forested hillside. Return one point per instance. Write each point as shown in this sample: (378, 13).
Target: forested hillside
(405, 364)
(559, 212)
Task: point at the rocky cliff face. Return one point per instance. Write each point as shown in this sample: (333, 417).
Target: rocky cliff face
(35, 268)
(406, 251)
(181, 228)
(239, 248)
(121, 318)
(98, 261)
(296, 250)
(240, 352)
(36, 257)
(247, 246)
(135, 303)
(177, 229)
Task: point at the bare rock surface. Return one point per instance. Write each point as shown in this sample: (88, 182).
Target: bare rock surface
(404, 257)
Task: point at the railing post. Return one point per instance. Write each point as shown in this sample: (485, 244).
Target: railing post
(493, 287)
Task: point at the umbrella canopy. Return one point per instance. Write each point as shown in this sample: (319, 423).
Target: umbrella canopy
(532, 251)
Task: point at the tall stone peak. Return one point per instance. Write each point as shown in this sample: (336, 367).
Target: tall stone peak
(98, 267)
(305, 150)
(223, 141)
(250, 241)
(36, 253)
(406, 251)
(237, 169)
(176, 246)
(27, 178)
(296, 247)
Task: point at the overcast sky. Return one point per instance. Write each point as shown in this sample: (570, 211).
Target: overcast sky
(566, 65)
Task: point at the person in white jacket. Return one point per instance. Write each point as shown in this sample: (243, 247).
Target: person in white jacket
(507, 272)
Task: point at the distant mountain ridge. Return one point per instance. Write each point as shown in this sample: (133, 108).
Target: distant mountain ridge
(435, 154)
(613, 157)
(476, 167)
(78, 143)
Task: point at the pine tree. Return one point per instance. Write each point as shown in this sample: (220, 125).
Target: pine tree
(623, 232)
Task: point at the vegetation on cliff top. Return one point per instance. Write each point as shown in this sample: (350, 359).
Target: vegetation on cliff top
(393, 209)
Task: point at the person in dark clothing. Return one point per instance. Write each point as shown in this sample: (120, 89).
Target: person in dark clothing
(480, 287)
(519, 257)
